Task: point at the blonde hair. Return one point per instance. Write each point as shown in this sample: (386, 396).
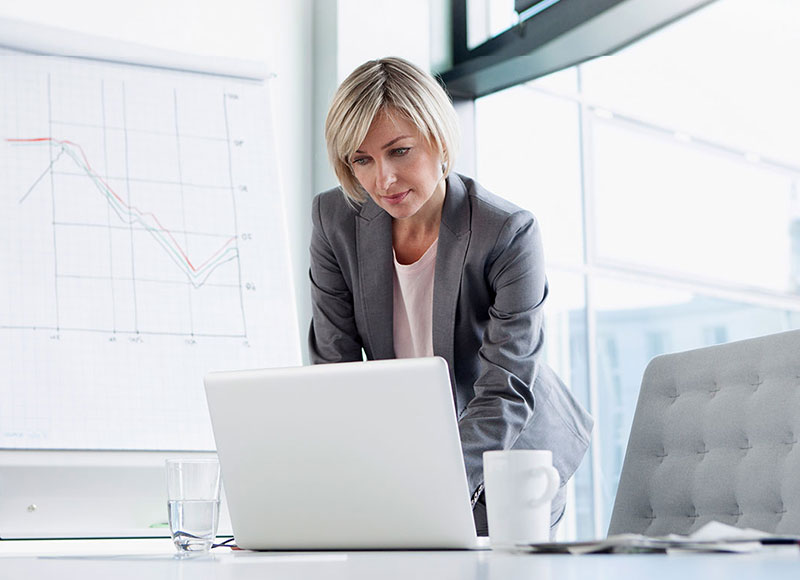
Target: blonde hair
(392, 85)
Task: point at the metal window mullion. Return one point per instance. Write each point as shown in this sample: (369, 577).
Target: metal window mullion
(731, 151)
(589, 253)
(668, 280)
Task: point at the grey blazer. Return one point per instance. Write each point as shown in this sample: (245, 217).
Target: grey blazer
(489, 288)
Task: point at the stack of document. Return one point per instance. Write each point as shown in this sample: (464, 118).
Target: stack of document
(712, 537)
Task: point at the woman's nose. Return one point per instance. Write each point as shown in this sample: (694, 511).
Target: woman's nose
(386, 176)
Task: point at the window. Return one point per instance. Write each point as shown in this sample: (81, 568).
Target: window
(656, 343)
(666, 179)
(715, 335)
(488, 18)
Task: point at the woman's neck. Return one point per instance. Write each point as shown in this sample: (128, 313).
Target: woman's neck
(412, 236)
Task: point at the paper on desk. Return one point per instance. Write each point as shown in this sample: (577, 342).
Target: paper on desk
(712, 537)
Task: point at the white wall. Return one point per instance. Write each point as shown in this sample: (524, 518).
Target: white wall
(277, 32)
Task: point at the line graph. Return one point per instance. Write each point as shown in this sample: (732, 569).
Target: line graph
(142, 244)
(141, 198)
(129, 214)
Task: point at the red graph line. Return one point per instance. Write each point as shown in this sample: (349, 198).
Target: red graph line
(130, 208)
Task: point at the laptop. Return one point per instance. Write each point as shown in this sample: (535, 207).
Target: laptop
(359, 456)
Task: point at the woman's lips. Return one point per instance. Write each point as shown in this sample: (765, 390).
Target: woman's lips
(396, 198)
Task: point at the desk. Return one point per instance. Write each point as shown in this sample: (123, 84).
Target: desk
(149, 563)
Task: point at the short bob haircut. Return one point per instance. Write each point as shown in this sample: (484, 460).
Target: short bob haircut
(396, 86)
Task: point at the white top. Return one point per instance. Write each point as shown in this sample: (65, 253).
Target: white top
(413, 305)
(49, 559)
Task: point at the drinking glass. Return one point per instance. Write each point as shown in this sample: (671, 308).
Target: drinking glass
(193, 493)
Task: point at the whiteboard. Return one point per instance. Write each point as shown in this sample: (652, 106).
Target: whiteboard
(142, 244)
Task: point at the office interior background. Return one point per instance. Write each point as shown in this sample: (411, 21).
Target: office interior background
(665, 176)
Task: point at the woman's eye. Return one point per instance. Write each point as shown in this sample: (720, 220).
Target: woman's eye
(359, 161)
(401, 151)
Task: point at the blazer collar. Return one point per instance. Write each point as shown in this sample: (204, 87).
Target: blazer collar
(376, 275)
(456, 210)
(451, 254)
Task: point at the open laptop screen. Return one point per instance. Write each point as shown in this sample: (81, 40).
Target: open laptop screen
(361, 455)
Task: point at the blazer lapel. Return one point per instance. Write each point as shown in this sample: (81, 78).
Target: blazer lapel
(454, 235)
(376, 275)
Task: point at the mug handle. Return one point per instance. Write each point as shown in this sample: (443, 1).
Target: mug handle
(552, 484)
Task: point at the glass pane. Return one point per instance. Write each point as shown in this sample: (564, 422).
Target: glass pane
(566, 352)
(528, 151)
(692, 174)
(665, 205)
(727, 73)
(563, 83)
(488, 18)
(636, 322)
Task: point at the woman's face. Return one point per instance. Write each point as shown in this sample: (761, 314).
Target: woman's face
(398, 168)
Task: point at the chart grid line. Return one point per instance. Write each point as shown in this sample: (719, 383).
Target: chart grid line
(233, 200)
(128, 191)
(119, 331)
(222, 188)
(138, 131)
(141, 229)
(53, 200)
(108, 207)
(141, 279)
(179, 166)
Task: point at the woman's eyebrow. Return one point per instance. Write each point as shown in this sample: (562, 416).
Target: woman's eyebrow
(395, 140)
(390, 143)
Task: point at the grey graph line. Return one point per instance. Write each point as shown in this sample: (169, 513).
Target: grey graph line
(42, 176)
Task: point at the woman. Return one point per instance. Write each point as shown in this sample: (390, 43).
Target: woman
(409, 259)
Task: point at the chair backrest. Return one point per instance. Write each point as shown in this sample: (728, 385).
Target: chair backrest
(715, 437)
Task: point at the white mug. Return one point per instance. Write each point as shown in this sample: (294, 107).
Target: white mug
(519, 485)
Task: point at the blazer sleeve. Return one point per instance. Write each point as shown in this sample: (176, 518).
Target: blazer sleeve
(333, 335)
(511, 349)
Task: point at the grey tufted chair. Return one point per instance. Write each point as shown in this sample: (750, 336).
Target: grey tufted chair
(715, 437)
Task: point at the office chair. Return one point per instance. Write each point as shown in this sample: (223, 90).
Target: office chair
(715, 437)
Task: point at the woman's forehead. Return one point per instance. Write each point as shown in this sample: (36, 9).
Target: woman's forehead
(392, 121)
(388, 124)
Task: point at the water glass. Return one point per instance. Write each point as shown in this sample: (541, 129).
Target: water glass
(193, 493)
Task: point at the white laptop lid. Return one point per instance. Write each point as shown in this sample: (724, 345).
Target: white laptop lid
(361, 455)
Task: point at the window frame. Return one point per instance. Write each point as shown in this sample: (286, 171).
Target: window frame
(561, 35)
